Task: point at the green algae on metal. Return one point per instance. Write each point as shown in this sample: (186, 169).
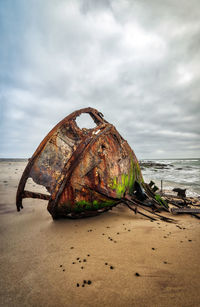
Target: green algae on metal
(125, 182)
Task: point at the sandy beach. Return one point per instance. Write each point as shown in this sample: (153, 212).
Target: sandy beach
(114, 259)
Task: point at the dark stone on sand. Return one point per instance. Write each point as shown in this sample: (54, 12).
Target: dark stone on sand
(137, 274)
(73, 262)
(77, 284)
(83, 285)
(190, 240)
(84, 260)
(60, 265)
(71, 247)
(77, 258)
(165, 262)
(111, 267)
(88, 255)
(63, 270)
(82, 267)
(89, 282)
(106, 263)
(85, 282)
(181, 192)
(153, 248)
(117, 233)
(155, 165)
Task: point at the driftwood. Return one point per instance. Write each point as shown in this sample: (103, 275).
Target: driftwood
(183, 205)
(185, 210)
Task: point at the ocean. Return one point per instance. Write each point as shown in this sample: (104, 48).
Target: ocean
(182, 173)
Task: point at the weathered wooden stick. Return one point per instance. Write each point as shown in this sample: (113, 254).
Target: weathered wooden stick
(185, 210)
(133, 209)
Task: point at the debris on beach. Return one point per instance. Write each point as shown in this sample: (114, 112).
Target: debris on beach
(181, 204)
(181, 192)
(89, 171)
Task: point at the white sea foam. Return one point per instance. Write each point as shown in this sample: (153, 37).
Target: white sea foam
(184, 173)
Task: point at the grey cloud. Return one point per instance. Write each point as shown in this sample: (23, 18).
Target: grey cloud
(137, 62)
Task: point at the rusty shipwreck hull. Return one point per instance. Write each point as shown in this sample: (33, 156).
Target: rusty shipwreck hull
(84, 170)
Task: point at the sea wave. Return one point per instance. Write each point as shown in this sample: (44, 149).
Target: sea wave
(177, 172)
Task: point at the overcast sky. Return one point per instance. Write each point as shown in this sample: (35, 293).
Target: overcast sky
(138, 62)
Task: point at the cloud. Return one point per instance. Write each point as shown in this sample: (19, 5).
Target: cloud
(135, 62)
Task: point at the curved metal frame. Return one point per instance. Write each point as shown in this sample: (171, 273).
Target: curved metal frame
(21, 193)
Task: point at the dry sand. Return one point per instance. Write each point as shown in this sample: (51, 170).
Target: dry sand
(42, 260)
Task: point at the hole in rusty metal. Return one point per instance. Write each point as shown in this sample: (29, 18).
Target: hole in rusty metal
(85, 121)
(103, 147)
(34, 187)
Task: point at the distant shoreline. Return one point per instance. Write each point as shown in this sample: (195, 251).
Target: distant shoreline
(140, 160)
(13, 159)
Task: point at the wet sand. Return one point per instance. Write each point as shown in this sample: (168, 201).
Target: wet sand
(117, 258)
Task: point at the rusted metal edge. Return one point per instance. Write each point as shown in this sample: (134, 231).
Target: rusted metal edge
(97, 117)
(29, 194)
